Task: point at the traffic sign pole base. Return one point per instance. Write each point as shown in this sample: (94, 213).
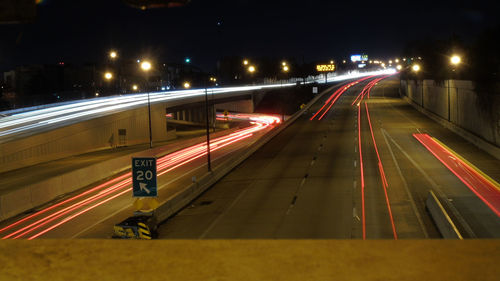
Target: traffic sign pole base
(146, 204)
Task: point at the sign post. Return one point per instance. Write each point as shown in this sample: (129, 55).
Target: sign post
(144, 177)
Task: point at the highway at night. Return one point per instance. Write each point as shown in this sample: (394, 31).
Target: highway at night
(19, 123)
(356, 165)
(93, 212)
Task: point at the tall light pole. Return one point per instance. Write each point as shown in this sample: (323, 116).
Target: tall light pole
(113, 56)
(455, 61)
(209, 164)
(416, 68)
(146, 66)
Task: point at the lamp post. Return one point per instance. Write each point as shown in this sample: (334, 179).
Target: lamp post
(455, 61)
(146, 66)
(113, 56)
(416, 68)
(251, 69)
(209, 164)
(285, 68)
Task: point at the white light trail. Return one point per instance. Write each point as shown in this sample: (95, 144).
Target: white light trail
(64, 114)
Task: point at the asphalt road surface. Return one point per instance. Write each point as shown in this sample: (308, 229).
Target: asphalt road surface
(307, 181)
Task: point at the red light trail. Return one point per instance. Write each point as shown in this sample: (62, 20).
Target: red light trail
(366, 92)
(479, 183)
(335, 96)
(79, 204)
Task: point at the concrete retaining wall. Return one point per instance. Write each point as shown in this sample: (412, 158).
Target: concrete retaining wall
(36, 194)
(86, 136)
(454, 105)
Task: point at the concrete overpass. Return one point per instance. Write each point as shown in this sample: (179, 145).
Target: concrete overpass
(50, 132)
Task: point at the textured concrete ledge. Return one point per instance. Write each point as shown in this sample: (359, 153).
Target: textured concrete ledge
(234, 260)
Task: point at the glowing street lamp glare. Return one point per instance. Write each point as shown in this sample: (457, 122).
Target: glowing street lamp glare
(146, 65)
(285, 68)
(113, 54)
(251, 68)
(187, 85)
(455, 59)
(416, 67)
(134, 87)
(108, 75)
(245, 62)
(399, 67)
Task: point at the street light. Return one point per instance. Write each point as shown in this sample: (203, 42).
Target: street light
(399, 67)
(251, 69)
(455, 60)
(416, 68)
(134, 87)
(245, 62)
(146, 67)
(187, 85)
(113, 55)
(108, 75)
(286, 68)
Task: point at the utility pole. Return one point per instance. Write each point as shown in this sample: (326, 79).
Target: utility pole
(208, 131)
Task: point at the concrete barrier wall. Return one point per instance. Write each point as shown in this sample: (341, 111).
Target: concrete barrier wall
(455, 102)
(86, 136)
(31, 196)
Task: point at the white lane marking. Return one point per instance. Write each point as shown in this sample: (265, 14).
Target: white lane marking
(405, 184)
(211, 226)
(355, 163)
(435, 186)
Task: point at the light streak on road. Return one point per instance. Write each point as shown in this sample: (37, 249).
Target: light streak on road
(334, 97)
(366, 92)
(382, 173)
(363, 216)
(479, 183)
(62, 212)
(19, 121)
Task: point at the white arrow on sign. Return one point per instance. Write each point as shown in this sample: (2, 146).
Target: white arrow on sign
(142, 186)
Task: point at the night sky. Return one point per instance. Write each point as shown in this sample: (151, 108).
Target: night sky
(77, 31)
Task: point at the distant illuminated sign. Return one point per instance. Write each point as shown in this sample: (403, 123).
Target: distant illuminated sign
(325, 67)
(355, 58)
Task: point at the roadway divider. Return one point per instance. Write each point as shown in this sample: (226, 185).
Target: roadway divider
(181, 199)
(24, 198)
(444, 223)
